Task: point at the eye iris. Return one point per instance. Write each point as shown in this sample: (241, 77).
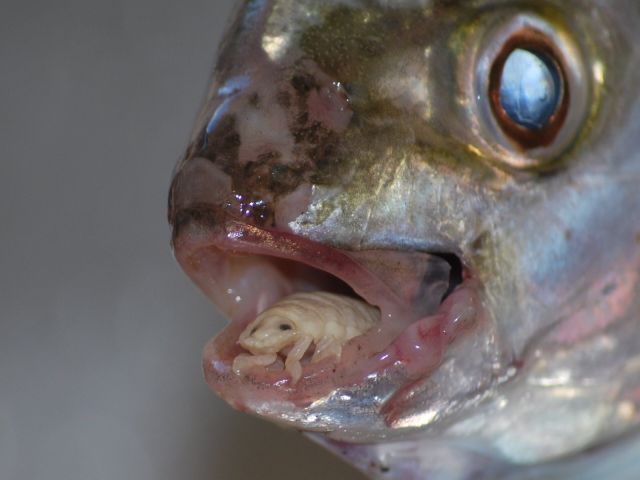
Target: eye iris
(530, 88)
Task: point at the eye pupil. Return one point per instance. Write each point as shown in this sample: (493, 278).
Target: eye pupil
(530, 88)
(285, 327)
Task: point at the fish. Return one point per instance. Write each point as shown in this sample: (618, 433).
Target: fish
(469, 170)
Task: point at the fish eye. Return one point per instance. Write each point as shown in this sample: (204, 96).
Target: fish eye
(530, 88)
(527, 90)
(284, 327)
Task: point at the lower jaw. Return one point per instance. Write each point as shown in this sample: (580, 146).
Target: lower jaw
(411, 354)
(407, 345)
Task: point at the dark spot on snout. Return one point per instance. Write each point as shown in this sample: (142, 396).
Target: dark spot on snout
(302, 119)
(269, 175)
(269, 156)
(223, 143)
(284, 99)
(311, 134)
(203, 216)
(254, 330)
(303, 83)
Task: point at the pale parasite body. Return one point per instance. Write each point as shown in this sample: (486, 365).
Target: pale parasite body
(324, 320)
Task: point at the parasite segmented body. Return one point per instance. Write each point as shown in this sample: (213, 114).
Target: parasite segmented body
(323, 319)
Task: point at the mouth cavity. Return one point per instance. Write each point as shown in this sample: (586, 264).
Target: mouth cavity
(456, 272)
(424, 300)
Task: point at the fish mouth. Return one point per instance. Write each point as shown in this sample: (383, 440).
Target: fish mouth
(425, 300)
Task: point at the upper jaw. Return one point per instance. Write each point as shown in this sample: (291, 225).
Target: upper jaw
(371, 392)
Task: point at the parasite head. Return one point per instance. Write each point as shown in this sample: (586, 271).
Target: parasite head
(270, 332)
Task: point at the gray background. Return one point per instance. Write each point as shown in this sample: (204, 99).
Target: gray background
(101, 333)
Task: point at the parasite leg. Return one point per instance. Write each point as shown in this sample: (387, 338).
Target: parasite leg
(244, 361)
(327, 347)
(292, 364)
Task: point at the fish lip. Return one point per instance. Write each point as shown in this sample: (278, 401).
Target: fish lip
(209, 232)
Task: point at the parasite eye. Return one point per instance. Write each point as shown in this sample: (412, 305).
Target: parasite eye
(528, 90)
(284, 327)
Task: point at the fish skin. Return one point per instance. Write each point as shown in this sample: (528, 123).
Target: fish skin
(397, 157)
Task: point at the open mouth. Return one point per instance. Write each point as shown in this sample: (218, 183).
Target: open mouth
(424, 300)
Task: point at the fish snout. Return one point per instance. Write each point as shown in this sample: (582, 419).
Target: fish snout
(263, 141)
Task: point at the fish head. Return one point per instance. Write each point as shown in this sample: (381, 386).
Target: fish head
(470, 169)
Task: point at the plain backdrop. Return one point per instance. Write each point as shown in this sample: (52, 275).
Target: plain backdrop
(100, 331)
